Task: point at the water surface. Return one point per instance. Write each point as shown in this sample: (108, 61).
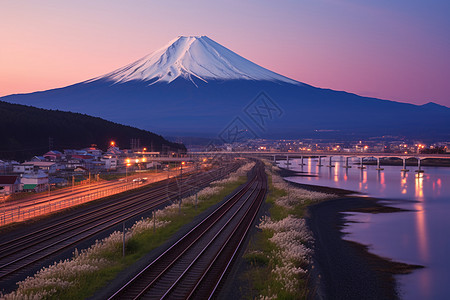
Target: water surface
(420, 236)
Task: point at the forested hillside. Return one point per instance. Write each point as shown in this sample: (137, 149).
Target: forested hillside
(25, 131)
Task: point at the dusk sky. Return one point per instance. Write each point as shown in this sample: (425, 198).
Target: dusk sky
(397, 50)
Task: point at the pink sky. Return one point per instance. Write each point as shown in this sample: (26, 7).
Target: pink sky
(397, 51)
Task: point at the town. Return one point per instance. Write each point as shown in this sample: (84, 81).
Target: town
(56, 169)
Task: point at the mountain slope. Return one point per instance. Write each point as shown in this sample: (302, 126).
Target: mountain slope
(25, 132)
(196, 87)
(192, 57)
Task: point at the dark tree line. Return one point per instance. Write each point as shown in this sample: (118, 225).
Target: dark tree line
(25, 132)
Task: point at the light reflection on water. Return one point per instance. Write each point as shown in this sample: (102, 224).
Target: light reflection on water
(417, 237)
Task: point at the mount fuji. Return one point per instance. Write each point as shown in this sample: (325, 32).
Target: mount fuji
(192, 58)
(194, 86)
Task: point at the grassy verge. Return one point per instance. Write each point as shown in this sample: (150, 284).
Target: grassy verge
(92, 268)
(278, 255)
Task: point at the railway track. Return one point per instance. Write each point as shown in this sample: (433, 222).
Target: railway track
(195, 265)
(23, 251)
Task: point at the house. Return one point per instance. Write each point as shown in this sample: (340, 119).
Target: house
(93, 150)
(94, 165)
(25, 168)
(70, 152)
(36, 182)
(110, 162)
(9, 184)
(80, 169)
(46, 166)
(3, 166)
(114, 151)
(38, 158)
(87, 161)
(82, 156)
(53, 155)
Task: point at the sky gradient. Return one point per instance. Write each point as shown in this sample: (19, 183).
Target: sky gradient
(396, 50)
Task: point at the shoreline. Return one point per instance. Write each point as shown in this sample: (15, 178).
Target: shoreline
(347, 269)
(343, 269)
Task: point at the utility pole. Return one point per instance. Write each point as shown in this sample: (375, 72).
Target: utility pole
(181, 184)
(50, 143)
(196, 199)
(123, 239)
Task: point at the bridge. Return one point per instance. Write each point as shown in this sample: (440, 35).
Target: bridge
(347, 155)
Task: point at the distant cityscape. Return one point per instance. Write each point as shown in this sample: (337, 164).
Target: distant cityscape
(310, 145)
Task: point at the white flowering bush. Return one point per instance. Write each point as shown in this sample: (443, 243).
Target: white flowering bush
(147, 224)
(295, 194)
(290, 240)
(290, 236)
(63, 274)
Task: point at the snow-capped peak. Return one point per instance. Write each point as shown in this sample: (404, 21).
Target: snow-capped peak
(192, 57)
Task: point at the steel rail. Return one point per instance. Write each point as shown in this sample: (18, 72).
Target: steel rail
(258, 185)
(118, 219)
(178, 250)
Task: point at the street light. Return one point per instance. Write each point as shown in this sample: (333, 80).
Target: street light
(126, 168)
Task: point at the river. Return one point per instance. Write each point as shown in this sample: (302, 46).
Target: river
(418, 236)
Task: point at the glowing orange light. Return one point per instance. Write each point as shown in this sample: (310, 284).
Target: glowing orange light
(128, 160)
(183, 163)
(145, 149)
(113, 143)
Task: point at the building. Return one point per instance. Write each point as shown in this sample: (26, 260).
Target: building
(38, 158)
(25, 168)
(3, 166)
(37, 182)
(46, 166)
(94, 151)
(9, 184)
(115, 151)
(53, 155)
(110, 162)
